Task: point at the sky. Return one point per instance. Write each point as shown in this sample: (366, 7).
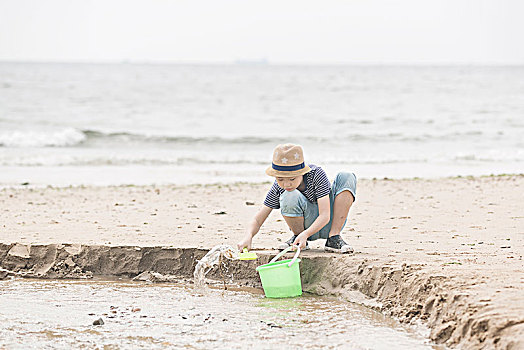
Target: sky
(279, 31)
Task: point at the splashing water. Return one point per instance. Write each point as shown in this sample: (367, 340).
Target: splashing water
(210, 260)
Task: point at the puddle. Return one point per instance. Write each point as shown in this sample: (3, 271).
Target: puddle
(59, 314)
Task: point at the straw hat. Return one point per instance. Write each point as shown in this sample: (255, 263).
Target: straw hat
(288, 161)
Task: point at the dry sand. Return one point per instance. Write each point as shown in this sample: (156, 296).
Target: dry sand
(447, 252)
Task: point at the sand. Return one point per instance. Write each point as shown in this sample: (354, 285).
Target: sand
(444, 252)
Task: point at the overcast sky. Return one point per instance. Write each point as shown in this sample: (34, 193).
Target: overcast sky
(281, 31)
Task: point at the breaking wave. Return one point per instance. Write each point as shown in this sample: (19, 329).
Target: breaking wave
(57, 138)
(70, 137)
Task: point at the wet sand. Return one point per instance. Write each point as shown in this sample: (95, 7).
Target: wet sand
(446, 252)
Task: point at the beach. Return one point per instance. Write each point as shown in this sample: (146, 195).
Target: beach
(443, 252)
(133, 157)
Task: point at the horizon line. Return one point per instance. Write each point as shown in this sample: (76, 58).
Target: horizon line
(262, 63)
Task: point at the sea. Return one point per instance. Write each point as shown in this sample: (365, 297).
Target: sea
(64, 124)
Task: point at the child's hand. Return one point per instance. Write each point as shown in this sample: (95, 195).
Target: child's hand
(245, 243)
(300, 241)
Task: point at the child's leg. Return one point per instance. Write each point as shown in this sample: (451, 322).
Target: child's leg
(341, 205)
(298, 213)
(296, 224)
(344, 189)
(293, 207)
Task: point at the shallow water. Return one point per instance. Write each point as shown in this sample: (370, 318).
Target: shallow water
(59, 314)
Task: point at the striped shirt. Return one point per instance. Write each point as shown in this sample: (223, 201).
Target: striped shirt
(317, 186)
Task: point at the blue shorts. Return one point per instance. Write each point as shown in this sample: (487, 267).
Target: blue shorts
(295, 204)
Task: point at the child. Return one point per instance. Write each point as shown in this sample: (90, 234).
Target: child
(312, 207)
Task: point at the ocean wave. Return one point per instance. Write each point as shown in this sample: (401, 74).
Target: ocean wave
(151, 160)
(69, 137)
(491, 157)
(56, 138)
(61, 160)
(155, 160)
(371, 136)
(152, 138)
(198, 161)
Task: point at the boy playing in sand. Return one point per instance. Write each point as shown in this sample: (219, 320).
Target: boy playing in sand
(310, 205)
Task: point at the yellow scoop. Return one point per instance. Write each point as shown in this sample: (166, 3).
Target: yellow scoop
(245, 255)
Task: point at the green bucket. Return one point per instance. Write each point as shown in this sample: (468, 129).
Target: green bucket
(281, 279)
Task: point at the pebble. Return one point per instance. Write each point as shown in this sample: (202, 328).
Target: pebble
(98, 322)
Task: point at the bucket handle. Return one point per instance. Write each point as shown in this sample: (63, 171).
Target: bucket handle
(284, 252)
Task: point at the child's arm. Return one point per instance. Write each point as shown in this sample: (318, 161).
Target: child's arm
(253, 227)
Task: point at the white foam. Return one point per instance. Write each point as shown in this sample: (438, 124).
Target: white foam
(54, 138)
